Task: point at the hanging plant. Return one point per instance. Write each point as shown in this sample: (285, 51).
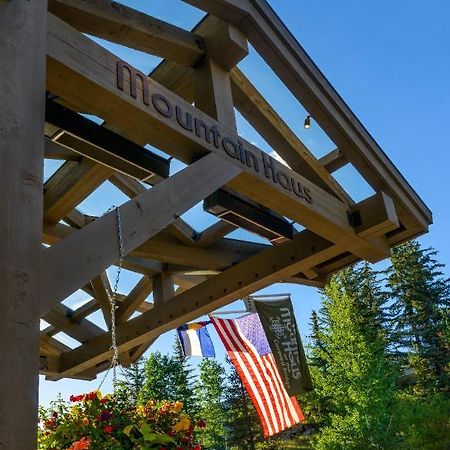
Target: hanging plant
(94, 422)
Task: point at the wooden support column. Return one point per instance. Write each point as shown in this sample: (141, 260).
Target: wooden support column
(22, 83)
(163, 288)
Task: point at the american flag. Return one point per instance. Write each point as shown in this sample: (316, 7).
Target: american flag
(250, 353)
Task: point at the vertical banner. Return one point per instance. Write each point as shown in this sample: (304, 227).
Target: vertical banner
(278, 320)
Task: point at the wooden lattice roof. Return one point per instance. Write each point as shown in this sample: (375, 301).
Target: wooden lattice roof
(186, 108)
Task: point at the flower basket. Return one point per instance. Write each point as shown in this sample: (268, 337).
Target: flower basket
(93, 422)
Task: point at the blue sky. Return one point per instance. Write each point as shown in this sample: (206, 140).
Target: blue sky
(390, 61)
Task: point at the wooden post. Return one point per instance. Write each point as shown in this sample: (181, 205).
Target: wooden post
(22, 84)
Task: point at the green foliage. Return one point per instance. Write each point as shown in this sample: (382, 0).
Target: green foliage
(93, 422)
(367, 332)
(169, 377)
(128, 389)
(210, 392)
(371, 327)
(354, 382)
(420, 315)
(184, 380)
(423, 423)
(243, 426)
(159, 381)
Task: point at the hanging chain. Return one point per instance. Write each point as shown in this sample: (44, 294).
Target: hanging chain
(112, 300)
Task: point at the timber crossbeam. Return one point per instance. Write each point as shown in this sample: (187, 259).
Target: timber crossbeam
(186, 108)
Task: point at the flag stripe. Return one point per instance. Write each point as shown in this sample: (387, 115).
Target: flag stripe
(290, 409)
(287, 416)
(261, 379)
(245, 377)
(194, 342)
(273, 399)
(257, 370)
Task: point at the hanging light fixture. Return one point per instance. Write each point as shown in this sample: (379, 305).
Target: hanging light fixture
(85, 137)
(307, 122)
(250, 217)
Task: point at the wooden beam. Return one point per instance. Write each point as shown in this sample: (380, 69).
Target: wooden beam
(94, 71)
(81, 256)
(225, 44)
(70, 185)
(283, 53)
(57, 151)
(134, 299)
(129, 186)
(218, 256)
(183, 232)
(165, 248)
(256, 272)
(82, 330)
(163, 288)
(212, 93)
(253, 106)
(75, 315)
(215, 232)
(102, 293)
(118, 23)
(143, 266)
(334, 160)
(179, 228)
(22, 83)
(50, 346)
(240, 280)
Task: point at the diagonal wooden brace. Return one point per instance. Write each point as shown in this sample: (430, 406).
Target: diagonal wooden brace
(76, 260)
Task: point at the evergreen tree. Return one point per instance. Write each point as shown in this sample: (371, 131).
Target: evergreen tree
(130, 386)
(354, 380)
(210, 394)
(316, 403)
(244, 429)
(170, 378)
(369, 300)
(420, 314)
(183, 380)
(159, 378)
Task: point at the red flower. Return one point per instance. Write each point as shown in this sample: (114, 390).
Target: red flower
(50, 423)
(201, 424)
(108, 429)
(103, 401)
(91, 396)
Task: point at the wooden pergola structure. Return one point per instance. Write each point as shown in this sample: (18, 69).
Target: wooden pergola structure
(51, 71)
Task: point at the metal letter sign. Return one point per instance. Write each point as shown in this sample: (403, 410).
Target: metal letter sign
(279, 323)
